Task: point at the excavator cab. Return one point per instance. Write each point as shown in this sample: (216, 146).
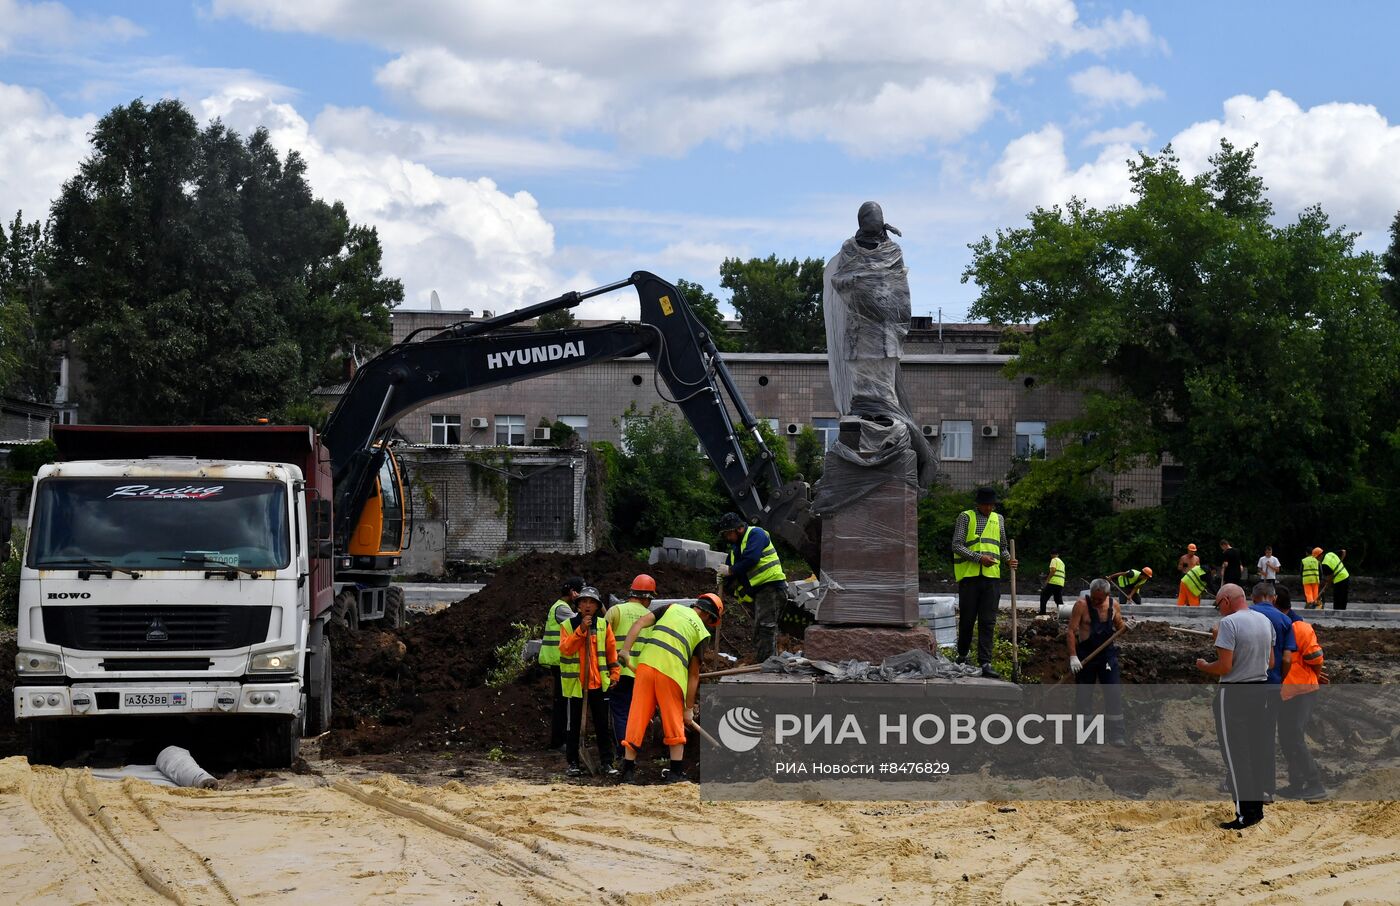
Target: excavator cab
(378, 539)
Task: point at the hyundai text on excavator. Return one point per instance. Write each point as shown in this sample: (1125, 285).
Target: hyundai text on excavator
(190, 573)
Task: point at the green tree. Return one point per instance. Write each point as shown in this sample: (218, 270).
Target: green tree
(1250, 353)
(779, 302)
(661, 484)
(200, 278)
(559, 319)
(26, 353)
(706, 308)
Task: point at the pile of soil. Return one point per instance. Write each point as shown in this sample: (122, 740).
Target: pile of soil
(424, 687)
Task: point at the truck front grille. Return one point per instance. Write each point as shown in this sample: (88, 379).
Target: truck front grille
(210, 627)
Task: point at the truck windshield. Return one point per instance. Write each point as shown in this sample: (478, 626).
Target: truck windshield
(159, 524)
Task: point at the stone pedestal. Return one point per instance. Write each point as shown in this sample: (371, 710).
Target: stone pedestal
(863, 643)
(870, 552)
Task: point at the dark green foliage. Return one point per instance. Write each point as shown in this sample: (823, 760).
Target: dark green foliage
(27, 458)
(1254, 355)
(26, 354)
(706, 308)
(559, 319)
(779, 302)
(9, 578)
(201, 279)
(810, 454)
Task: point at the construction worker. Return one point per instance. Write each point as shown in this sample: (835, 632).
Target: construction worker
(1262, 601)
(559, 611)
(1335, 576)
(755, 575)
(620, 619)
(588, 659)
(1268, 566)
(1092, 622)
(979, 549)
(1193, 585)
(1188, 560)
(1054, 583)
(1244, 649)
(1130, 583)
(1231, 564)
(668, 677)
(1312, 578)
(1296, 705)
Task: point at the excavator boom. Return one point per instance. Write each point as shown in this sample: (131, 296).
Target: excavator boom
(475, 355)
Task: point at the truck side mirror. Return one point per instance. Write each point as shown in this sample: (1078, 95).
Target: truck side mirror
(321, 519)
(324, 550)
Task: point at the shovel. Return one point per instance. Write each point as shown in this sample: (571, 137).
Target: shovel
(585, 752)
(1015, 646)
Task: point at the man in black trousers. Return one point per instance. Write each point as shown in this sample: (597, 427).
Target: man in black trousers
(979, 550)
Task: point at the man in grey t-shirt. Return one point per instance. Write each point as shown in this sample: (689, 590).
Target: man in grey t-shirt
(1244, 648)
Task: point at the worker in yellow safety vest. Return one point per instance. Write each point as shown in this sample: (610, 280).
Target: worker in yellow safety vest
(979, 549)
(755, 574)
(559, 611)
(1311, 578)
(620, 619)
(1054, 583)
(1335, 576)
(1193, 585)
(1130, 583)
(668, 677)
(588, 661)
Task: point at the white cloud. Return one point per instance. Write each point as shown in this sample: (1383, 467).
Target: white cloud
(1136, 134)
(40, 147)
(1111, 87)
(665, 75)
(1345, 157)
(32, 26)
(1034, 170)
(475, 244)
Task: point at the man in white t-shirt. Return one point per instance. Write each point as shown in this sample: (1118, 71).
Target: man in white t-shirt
(1269, 567)
(1244, 649)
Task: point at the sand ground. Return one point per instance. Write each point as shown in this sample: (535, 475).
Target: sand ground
(346, 837)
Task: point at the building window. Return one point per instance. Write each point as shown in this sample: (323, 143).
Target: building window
(579, 423)
(447, 429)
(773, 426)
(957, 441)
(510, 430)
(1173, 481)
(1030, 440)
(827, 429)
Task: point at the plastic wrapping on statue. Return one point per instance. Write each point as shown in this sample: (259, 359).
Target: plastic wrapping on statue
(849, 475)
(869, 572)
(866, 308)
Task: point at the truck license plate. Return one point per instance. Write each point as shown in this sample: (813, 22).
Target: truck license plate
(154, 700)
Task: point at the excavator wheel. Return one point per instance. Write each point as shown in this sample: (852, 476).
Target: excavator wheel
(346, 609)
(395, 610)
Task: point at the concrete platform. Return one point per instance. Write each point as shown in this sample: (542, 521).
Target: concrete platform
(783, 685)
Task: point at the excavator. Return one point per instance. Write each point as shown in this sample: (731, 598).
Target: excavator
(433, 363)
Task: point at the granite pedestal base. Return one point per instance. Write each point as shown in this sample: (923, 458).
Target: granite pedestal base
(863, 643)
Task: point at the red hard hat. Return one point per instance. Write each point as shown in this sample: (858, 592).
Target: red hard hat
(644, 584)
(1317, 552)
(1191, 547)
(1147, 571)
(710, 603)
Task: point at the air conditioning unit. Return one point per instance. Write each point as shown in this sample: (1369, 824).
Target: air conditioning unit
(479, 422)
(794, 428)
(930, 430)
(989, 431)
(541, 434)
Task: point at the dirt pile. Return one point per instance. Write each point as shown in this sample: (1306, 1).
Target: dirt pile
(425, 686)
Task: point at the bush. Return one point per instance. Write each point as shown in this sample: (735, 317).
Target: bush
(510, 656)
(9, 579)
(27, 458)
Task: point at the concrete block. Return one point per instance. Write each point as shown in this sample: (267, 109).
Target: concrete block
(863, 643)
(683, 544)
(656, 554)
(716, 560)
(671, 543)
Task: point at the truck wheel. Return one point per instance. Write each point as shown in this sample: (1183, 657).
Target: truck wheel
(318, 701)
(276, 742)
(51, 743)
(395, 611)
(347, 609)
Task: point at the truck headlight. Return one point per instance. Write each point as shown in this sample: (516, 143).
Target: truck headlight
(38, 663)
(283, 660)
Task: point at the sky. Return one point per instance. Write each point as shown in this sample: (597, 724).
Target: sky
(509, 151)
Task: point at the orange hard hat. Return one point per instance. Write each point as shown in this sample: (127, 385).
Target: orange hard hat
(1147, 571)
(1191, 548)
(1317, 552)
(644, 585)
(711, 604)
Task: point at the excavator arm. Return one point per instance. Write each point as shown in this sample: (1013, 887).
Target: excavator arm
(475, 355)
